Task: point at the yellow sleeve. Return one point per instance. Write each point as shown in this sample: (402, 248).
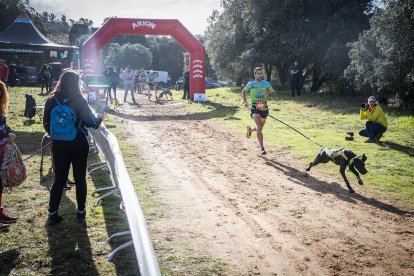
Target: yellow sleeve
(363, 114)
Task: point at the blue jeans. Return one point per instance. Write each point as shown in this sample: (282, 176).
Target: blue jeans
(130, 87)
(372, 129)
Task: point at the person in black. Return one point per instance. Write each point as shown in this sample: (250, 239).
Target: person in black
(295, 75)
(13, 76)
(44, 77)
(186, 83)
(113, 81)
(73, 152)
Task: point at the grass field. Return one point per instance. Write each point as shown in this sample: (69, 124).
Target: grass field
(325, 119)
(32, 248)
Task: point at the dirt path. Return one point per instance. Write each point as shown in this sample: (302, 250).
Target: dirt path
(261, 215)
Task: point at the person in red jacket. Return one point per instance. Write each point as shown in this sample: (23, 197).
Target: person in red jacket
(4, 71)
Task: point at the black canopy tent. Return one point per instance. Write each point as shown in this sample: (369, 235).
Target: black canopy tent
(22, 43)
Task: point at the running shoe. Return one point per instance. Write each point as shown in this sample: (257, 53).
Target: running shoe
(7, 220)
(54, 219)
(249, 132)
(263, 152)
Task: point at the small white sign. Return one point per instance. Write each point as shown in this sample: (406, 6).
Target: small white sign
(92, 96)
(199, 97)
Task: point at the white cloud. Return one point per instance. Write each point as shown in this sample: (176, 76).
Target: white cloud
(192, 14)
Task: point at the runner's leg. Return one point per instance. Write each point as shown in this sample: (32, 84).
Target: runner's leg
(259, 127)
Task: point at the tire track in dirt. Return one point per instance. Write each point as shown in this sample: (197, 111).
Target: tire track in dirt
(262, 215)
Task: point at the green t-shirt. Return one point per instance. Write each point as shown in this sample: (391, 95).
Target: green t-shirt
(151, 78)
(258, 98)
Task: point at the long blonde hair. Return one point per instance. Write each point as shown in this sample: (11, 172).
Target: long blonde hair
(4, 99)
(68, 84)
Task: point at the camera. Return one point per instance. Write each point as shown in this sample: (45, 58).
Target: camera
(364, 106)
(350, 137)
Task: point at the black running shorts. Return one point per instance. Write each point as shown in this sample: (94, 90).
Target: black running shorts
(262, 113)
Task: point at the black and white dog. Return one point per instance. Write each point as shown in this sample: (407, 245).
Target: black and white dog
(343, 158)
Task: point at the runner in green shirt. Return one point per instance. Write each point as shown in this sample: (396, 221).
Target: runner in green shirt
(259, 91)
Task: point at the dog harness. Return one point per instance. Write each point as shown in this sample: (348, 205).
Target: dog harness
(340, 152)
(350, 161)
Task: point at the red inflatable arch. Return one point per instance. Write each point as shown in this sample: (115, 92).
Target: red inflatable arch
(172, 27)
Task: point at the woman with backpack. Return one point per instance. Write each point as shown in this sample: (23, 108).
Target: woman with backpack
(68, 148)
(6, 135)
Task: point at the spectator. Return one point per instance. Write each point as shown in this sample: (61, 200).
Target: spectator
(6, 134)
(152, 85)
(142, 80)
(129, 77)
(296, 76)
(73, 152)
(377, 122)
(13, 79)
(186, 83)
(113, 81)
(4, 71)
(44, 77)
(51, 77)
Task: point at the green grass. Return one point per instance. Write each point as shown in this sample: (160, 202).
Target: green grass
(325, 119)
(31, 247)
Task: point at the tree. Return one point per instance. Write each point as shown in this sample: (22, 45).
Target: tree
(275, 33)
(135, 55)
(227, 41)
(167, 55)
(10, 9)
(382, 60)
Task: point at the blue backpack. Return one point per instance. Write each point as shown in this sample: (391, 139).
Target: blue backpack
(62, 122)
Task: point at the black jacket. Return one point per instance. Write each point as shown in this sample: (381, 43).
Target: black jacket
(4, 128)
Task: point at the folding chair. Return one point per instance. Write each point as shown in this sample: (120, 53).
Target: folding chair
(31, 109)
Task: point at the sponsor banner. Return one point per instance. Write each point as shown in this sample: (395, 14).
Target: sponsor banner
(97, 81)
(197, 68)
(20, 50)
(144, 23)
(199, 97)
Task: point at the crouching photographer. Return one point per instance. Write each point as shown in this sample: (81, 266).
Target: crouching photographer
(377, 122)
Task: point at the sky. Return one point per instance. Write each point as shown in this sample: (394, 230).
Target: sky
(192, 14)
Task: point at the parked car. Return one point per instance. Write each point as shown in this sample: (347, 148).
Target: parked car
(210, 83)
(27, 75)
(179, 84)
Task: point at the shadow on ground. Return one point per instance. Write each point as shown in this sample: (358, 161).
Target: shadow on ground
(115, 220)
(8, 260)
(217, 111)
(304, 179)
(69, 243)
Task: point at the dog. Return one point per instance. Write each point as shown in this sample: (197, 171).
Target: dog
(166, 92)
(46, 145)
(343, 158)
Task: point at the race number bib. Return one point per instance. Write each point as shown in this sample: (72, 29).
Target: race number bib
(260, 105)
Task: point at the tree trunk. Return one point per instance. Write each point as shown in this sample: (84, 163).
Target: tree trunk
(268, 71)
(316, 71)
(283, 73)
